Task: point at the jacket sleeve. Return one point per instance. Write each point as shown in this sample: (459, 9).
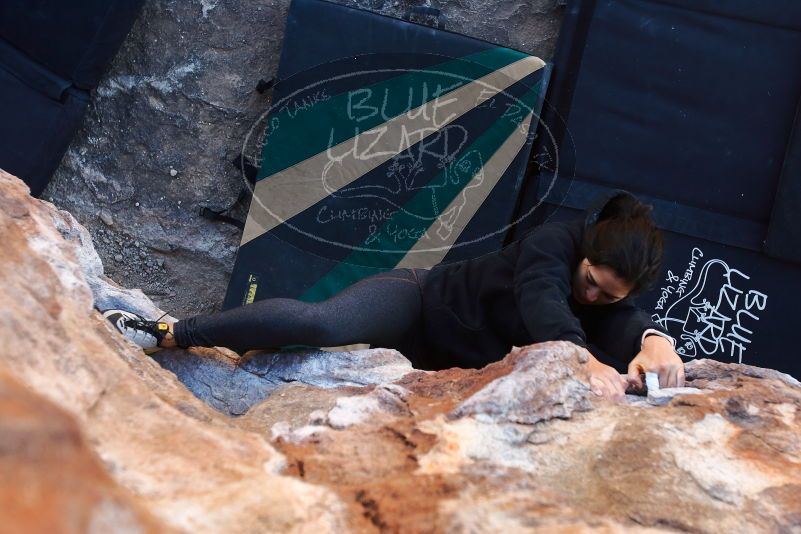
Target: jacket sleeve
(617, 329)
(542, 285)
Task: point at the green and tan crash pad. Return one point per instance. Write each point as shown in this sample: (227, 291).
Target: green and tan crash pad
(388, 144)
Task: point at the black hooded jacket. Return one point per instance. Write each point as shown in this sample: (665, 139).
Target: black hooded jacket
(475, 310)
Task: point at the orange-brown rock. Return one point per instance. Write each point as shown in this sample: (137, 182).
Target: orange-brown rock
(359, 442)
(192, 467)
(51, 481)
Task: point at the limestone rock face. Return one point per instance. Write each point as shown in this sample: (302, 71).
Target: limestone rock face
(355, 442)
(176, 108)
(542, 385)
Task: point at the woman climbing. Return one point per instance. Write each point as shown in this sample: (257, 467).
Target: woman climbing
(571, 281)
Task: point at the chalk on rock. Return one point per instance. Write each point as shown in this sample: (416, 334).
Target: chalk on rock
(386, 398)
(660, 397)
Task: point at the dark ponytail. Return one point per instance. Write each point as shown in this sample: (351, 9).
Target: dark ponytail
(626, 239)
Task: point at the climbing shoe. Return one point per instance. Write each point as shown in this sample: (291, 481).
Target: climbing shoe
(146, 334)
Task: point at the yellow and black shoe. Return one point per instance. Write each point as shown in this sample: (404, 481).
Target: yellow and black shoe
(146, 334)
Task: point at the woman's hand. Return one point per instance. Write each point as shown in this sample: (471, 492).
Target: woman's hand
(605, 381)
(657, 356)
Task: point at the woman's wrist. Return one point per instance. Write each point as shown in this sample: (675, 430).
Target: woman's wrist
(651, 333)
(654, 340)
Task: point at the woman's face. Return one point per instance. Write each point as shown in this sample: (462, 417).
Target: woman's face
(598, 284)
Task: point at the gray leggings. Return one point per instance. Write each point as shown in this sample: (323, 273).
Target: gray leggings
(378, 310)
